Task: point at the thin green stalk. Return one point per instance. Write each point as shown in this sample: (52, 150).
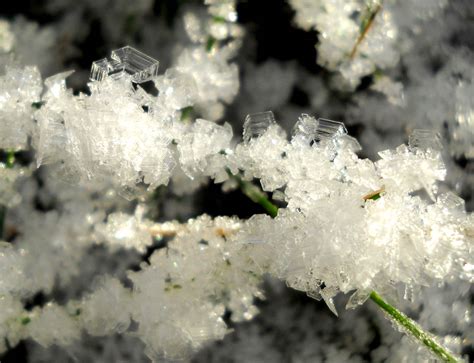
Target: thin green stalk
(256, 195)
(210, 43)
(414, 329)
(10, 159)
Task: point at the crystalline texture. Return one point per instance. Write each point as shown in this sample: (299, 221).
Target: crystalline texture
(7, 38)
(308, 130)
(463, 131)
(99, 70)
(126, 60)
(140, 65)
(305, 129)
(424, 140)
(256, 124)
(328, 129)
(19, 89)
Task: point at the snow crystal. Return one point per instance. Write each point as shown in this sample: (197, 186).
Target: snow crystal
(20, 89)
(125, 61)
(53, 326)
(424, 140)
(256, 124)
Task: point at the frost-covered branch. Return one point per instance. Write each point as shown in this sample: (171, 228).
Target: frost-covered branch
(392, 312)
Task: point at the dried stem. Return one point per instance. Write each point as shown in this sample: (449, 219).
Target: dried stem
(171, 229)
(376, 194)
(367, 23)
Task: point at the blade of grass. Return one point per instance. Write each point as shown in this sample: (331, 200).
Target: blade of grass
(415, 330)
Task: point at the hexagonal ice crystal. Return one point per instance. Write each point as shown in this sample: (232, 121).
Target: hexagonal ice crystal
(424, 140)
(309, 130)
(126, 60)
(256, 124)
(305, 129)
(329, 129)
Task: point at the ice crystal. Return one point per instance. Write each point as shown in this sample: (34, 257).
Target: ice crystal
(178, 304)
(53, 326)
(20, 88)
(309, 131)
(329, 130)
(425, 140)
(99, 141)
(349, 225)
(256, 124)
(214, 77)
(8, 177)
(463, 134)
(301, 245)
(7, 39)
(368, 34)
(125, 231)
(126, 60)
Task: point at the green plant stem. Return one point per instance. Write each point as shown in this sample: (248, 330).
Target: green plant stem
(10, 159)
(256, 195)
(210, 43)
(414, 329)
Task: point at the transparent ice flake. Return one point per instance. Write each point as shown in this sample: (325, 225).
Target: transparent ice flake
(99, 70)
(328, 294)
(329, 129)
(421, 139)
(308, 130)
(57, 83)
(351, 143)
(305, 129)
(463, 130)
(451, 201)
(125, 61)
(7, 37)
(357, 299)
(256, 124)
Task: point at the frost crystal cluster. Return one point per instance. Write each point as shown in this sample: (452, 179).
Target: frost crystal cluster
(98, 191)
(357, 37)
